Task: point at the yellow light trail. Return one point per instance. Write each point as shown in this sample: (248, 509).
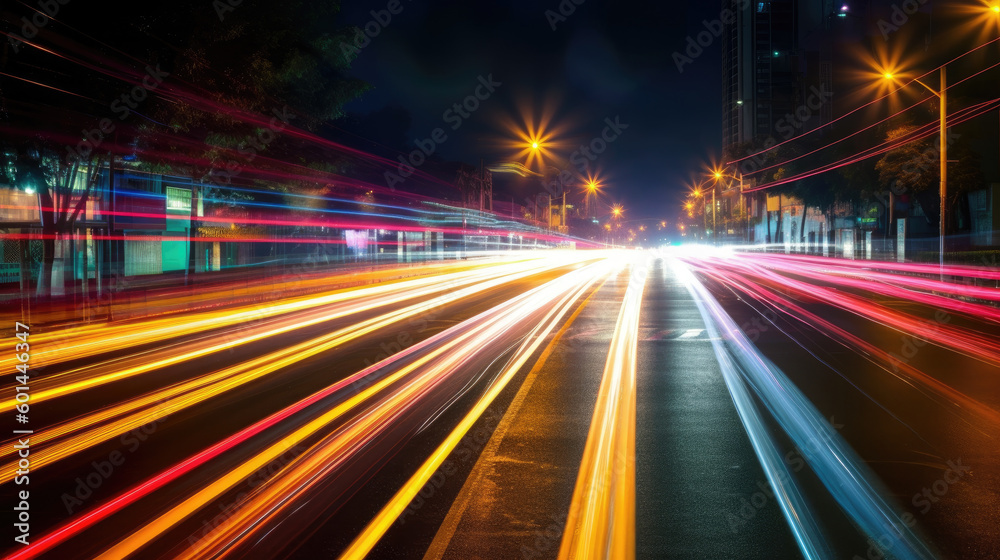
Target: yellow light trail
(601, 521)
(177, 397)
(376, 528)
(501, 319)
(48, 348)
(402, 291)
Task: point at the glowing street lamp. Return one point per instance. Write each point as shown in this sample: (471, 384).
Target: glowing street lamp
(616, 211)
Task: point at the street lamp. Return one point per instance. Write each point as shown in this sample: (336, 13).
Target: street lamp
(698, 192)
(942, 96)
(719, 175)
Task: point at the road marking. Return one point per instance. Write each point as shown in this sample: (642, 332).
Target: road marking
(601, 520)
(449, 526)
(691, 333)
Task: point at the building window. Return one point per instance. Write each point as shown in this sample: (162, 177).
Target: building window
(179, 200)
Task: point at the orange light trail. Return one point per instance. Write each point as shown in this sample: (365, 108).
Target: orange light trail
(364, 542)
(601, 521)
(94, 428)
(419, 378)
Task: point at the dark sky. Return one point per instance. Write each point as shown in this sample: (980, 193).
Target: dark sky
(607, 59)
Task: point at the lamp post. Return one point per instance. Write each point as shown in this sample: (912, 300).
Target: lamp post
(616, 213)
(942, 96)
(592, 187)
(719, 175)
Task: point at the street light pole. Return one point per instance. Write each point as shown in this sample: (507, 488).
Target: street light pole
(563, 221)
(715, 228)
(942, 96)
(746, 210)
(944, 164)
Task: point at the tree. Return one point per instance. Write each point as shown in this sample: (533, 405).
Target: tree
(914, 167)
(236, 76)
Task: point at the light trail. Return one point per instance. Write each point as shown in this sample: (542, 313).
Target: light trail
(91, 340)
(484, 329)
(375, 529)
(794, 507)
(117, 337)
(934, 293)
(93, 428)
(323, 458)
(981, 346)
(847, 478)
(601, 520)
(964, 271)
(985, 419)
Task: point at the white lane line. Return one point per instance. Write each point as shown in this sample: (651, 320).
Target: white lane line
(691, 333)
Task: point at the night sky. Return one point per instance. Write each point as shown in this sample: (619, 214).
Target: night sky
(606, 59)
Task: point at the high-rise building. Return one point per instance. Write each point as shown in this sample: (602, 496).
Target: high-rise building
(775, 55)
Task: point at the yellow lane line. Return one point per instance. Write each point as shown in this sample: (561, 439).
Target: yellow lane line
(601, 520)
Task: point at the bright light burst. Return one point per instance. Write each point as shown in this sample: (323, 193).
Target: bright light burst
(531, 137)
